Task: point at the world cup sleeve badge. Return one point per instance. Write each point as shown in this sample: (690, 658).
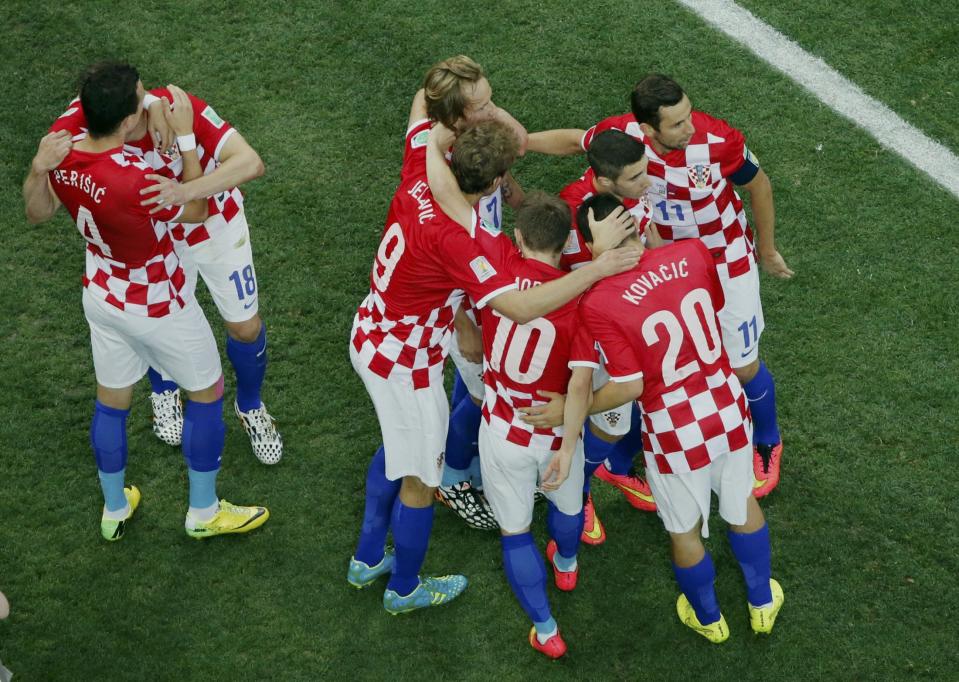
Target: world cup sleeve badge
(699, 175)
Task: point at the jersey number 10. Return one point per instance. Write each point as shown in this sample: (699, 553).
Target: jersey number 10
(511, 345)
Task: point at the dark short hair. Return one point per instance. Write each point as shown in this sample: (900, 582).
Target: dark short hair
(651, 93)
(602, 205)
(544, 221)
(482, 153)
(108, 94)
(611, 151)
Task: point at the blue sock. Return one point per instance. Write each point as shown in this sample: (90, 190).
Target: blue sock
(476, 473)
(158, 384)
(696, 582)
(249, 363)
(753, 553)
(453, 476)
(462, 433)
(596, 451)
(526, 574)
(202, 488)
(761, 392)
(108, 438)
(411, 534)
(565, 529)
(621, 454)
(380, 496)
(459, 388)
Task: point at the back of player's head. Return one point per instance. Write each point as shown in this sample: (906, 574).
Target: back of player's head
(446, 100)
(543, 220)
(108, 93)
(602, 205)
(611, 151)
(482, 153)
(651, 93)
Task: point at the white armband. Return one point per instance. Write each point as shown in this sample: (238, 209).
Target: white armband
(186, 143)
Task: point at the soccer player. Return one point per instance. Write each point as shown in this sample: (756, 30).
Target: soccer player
(400, 339)
(218, 249)
(659, 331)
(695, 163)
(136, 298)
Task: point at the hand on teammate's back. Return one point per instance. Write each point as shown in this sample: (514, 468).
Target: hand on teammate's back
(53, 149)
(619, 260)
(547, 415)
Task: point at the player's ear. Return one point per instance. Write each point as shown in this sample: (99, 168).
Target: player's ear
(647, 129)
(605, 183)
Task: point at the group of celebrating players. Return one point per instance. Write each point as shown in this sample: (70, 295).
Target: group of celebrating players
(625, 317)
(631, 299)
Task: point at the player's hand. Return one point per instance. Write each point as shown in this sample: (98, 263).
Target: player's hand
(617, 260)
(557, 471)
(160, 131)
(470, 341)
(441, 136)
(610, 232)
(548, 414)
(53, 149)
(653, 238)
(166, 192)
(774, 264)
(180, 117)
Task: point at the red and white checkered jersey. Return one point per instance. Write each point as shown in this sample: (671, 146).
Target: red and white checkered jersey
(130, 261)
(519, 360)
(576, 253)
(690, 195)
(211, 133)
(658, 323)
(403, 327)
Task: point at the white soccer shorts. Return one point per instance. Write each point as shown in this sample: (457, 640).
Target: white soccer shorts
(683, 499)
(471, 372)
(741, 319)
(179, 345)
(225, 263)
(511, 476)
(413, 423)
(614, 422)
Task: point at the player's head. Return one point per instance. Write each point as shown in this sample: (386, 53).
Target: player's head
(457, 92)
(602, 205)
(663, 111)
(619, 162)
(542, 224)
(110, 94)
(482, 154)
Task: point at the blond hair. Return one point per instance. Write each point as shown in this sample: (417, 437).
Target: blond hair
(444, 84)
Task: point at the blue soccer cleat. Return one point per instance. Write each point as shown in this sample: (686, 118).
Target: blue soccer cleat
(362, 575)
(434, 591)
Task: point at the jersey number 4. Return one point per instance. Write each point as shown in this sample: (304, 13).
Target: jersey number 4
(699, 319)
(88, 228)
(521, 350)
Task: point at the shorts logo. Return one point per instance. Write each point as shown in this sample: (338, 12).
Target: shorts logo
(572, 244)
(699, 175)
(419, 140)
(482, 269)
(211, 116)
(439, 460)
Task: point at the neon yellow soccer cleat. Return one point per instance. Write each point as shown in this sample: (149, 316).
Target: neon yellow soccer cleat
(229, 519)
(111, 529)
(763, 619)
(717, 632)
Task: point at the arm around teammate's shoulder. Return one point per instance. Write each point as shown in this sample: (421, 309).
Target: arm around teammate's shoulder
(39, 200)
(559, 142)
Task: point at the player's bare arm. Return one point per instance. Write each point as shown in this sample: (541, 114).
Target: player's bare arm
(180, 119)
(418, 108)
(160, 131)
(559, 142)
(760, 191)
(39, 199)
(616, 393)
(469, 337)
(579, 394)
(513, 193)
(443, 186)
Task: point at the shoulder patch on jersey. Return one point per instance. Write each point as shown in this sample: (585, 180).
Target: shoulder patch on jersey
(749, 156)
(420, 139)
(482, 269)
(212, 117)
(490, 227)
(572, 244)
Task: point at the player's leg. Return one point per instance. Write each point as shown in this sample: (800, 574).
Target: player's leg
(511, 473)
(742, 323)
(564, 519)
(371, 559)
(625, 441)
(596, 449)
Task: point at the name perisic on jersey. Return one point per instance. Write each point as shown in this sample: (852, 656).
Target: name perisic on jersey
(426, 206)
(82, 181)
(651, 279)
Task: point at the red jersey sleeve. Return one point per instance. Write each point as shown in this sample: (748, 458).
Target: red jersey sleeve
(621, 361)
(583, 352)
(414, 150)
(625, 122)
(470, 268)
(71, 120)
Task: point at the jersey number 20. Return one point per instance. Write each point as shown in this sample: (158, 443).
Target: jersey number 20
(695, 308)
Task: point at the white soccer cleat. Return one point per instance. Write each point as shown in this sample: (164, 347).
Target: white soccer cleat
(265, 439)
(168, 417)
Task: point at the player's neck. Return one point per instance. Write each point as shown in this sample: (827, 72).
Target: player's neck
(139, 131)
(96, 145)
(473, 199)
(551, 259)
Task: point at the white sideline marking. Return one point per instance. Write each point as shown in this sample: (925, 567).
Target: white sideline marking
(840, 94)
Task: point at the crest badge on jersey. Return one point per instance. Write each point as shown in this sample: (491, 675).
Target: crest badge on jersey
(699, 175)
(482, 269)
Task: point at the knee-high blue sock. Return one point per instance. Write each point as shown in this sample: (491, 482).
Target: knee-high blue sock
(476, 472)
(108, 438)
(459, 388)
(761, 392)
(461, 440)
(753, 553)
(411, 535)
(596, 452)
(622, 453)
(526, 574)
(203, 436)
(249, 363)
(565, 529)
(158, 384)
(380, 496)
(696, 582)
